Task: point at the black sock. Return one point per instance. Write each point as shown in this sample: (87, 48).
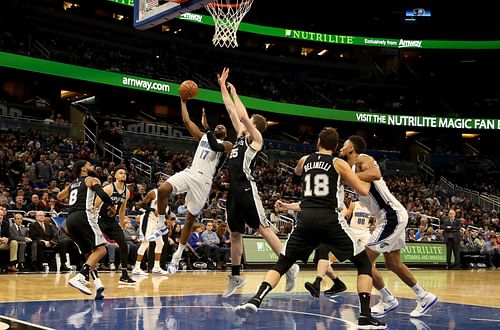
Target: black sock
(337, 281)
(235, 270)
(124, 272)
(85, 271)
(317, 281)
(94, 274)
(264, 289)
(364, 302)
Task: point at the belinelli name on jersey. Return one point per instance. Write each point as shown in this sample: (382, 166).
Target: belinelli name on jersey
(318, 166)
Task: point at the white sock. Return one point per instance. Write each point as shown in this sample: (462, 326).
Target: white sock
(419, 291)
(178, 254)
(98, 283)
(161, 218)
(157, 264)
(137, 265)
(386, 294)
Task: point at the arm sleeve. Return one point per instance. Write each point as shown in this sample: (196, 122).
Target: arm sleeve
(148, 208)
(212, 141)
(102, 194)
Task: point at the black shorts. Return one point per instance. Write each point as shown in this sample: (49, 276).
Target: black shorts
(111, 229)
(317, 226)
(321, 253)
(244, 206)
(83, 229)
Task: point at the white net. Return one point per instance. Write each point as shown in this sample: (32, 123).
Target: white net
(227, 15)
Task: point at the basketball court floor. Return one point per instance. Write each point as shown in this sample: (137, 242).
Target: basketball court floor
(469, 299)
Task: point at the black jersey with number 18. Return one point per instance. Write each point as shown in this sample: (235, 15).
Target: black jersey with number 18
(321, 185)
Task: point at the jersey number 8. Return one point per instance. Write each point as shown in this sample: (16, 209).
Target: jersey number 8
(72, 196)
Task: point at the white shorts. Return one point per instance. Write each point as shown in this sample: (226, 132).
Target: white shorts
(148, 225)
(362, 235)
(196, 185)
(389, 233)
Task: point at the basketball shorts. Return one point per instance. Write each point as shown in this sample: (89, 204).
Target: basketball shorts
(389, 233)
(197, 186)
(362, 235)
(243, 206)
(148, 225)
(83, 229)
(317, 226)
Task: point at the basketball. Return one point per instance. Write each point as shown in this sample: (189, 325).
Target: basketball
(188, 90)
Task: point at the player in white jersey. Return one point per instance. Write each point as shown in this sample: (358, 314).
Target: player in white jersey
(360, 221)
(148, 225)
(196, 180)
(389, 235)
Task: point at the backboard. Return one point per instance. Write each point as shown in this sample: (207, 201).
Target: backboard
(150, 13)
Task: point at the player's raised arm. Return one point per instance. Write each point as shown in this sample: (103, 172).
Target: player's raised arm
(255, 134)
(193, 129)
(228, 102)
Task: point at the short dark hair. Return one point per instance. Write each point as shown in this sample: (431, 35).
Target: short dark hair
(329, 138)
(77, 167)
(120, 167)
(358, 143)
(260, 122)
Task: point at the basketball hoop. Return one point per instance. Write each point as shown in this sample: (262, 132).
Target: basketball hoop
(227, 15)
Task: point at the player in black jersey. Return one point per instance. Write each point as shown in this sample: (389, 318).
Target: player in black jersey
(119, 194)
(81, 224)
(318, 223)
(243, 202)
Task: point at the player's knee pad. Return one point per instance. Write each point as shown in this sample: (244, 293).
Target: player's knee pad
(283, 264)
(362, 263)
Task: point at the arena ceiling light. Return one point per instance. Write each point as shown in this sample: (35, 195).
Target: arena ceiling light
(323, 52)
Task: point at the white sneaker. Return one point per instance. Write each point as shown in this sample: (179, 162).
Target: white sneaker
(157, 234)
(112, 267)
(172, 268)
(139, 272)
(234, 283)
(158, 271)
(99, 289)
(291, 277)
(79, 282)
(246, 308)
(424, 304)
(382, 308)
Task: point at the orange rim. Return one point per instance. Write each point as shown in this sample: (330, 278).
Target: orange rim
(227, 5)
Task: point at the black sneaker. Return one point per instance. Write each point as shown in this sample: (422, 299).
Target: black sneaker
(124, 279)
(336, 288)
(314, 291)
(368, 322)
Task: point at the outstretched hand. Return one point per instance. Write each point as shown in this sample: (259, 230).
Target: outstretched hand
(204, 121)
(222, 78)
(231, 88)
